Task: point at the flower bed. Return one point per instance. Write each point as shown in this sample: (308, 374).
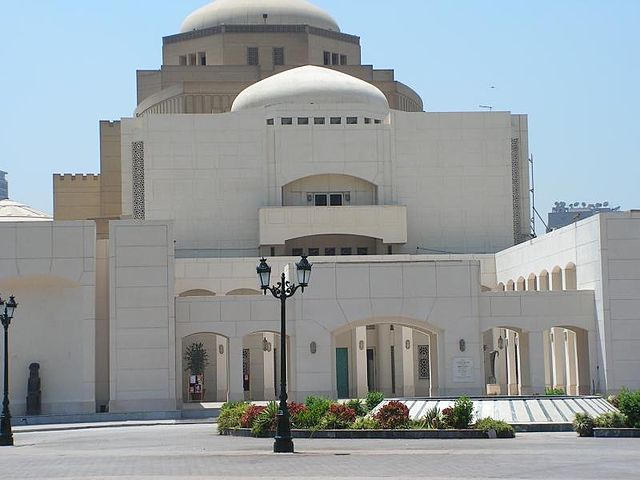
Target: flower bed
(625, 423)
(323, 418)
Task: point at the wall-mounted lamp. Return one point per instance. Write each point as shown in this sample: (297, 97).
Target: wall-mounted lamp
(313, 348)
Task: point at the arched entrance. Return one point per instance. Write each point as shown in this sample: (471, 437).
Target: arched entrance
(566, 354)
(398, 358)
(213, 386)
(505, 350)
(261, 365)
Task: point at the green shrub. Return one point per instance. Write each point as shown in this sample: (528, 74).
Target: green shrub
(393, 415)
(583, 424)
(319, 404)
(266, 421)
(231, 415)
(431, 420)
(373, 399)
(614, 400)
(554, 392)
(365, 423)
(357, 407)
(629, 404)
(611, 420)
(462, 413)
(338, 417)
(313, 413)
(502, 429)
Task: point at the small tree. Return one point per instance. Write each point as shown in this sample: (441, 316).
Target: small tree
(196, 358)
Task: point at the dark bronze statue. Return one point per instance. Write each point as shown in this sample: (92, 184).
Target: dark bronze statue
(492, 356)
(34, 395)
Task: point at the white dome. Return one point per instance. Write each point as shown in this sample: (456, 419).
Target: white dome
(251, 12)
(311, 85)
(11, 211)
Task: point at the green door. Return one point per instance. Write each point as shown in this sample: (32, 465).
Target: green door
(342, 372)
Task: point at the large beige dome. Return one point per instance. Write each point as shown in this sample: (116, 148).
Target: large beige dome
(11, 211)
(311, 85)
(251, 12)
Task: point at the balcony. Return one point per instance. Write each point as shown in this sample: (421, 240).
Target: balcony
(385, 222)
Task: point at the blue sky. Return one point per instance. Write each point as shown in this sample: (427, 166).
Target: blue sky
(573, 66)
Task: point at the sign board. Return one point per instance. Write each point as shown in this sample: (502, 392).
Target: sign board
(463, 369)
(195, 384)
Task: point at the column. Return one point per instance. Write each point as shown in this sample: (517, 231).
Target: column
(236, 389)
(268, 365)
(222, 350)
(534, 346)
(408, 378)
(571, 361)
(548, 362)
(510, 352)
(361, 362)
(558, 358)
(501, 361)
(434, 365)
(384, 359)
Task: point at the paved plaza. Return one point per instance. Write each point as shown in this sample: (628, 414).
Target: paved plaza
(197, 452)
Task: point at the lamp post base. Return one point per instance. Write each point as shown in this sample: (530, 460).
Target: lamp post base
(283, 445)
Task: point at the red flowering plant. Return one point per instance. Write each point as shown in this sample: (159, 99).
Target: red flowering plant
(447, 417)
(338, 416)
(295, 411)
(250, 415)
(393, 415)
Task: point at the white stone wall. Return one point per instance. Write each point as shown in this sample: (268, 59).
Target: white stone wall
(142, 320)
(50, 268)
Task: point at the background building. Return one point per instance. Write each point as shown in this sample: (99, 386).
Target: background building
(4, 186)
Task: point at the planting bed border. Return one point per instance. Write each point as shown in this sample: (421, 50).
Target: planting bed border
(616, 432)
(372, 434)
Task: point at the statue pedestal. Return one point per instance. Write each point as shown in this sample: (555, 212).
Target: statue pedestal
(493, 389)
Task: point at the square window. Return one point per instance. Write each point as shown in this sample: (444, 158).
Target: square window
(327, 58)
(335, 199)
(286, 121)
(363, 251)
(269, 121)
(320, 199)
(330, 252)
(318, 121)
(202, 58)
(297, 252)
(314, 252)
(278, 56)
(343, 59)
(367, 121)
(335, 59)
(352, 120)
(253, 56)
(345, 251)
(335, 121)
(183, 60)
(303, 121)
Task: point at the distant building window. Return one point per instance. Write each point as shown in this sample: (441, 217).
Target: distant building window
(327, 58)
(329, 252)
(183, 60)
(343, 59)
(345, 251)
(389, 249)
(335, 199)
(303, 120)
(352, 120)
(335, 59)
(363, 251)
(278, 56)
(335, 121)
(296, 252)
(367, 121)
(378, 122)
(318, 120)
(269, 121)
(192, 59)
(320, 199)
(314, 252)
(252, 56)
(202, 58)
(286, 121)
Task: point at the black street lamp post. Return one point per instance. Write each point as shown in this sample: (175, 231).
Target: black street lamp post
(6, 435)
(283, 290)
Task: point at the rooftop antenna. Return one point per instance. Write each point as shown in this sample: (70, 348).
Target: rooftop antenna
(486, 107)
(534, 210)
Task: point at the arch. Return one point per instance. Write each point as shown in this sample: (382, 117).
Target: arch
(243, 292)
(355, 190)
(556, 279)
(394, 355)
(261, 365)
(532, 282)
(520, 284)
(501, 287)
(543, 283)
(197, 292)
(506, 362)
(567, 364)
(213, 386)
(570, 277)
(511, 286)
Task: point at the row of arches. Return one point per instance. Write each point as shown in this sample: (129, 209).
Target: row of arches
(559, 279)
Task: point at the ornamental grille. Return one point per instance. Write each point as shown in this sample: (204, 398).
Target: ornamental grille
(137, 154)
(423, 362)
(246, 369)
(515, 179)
